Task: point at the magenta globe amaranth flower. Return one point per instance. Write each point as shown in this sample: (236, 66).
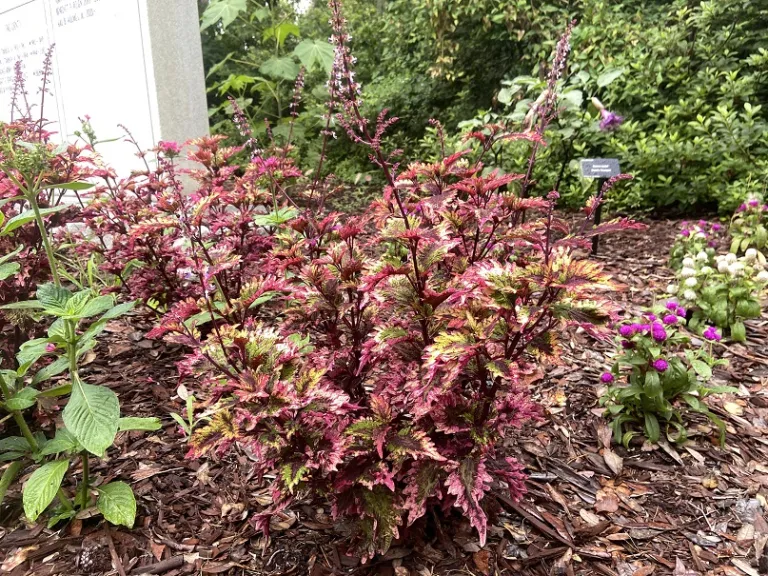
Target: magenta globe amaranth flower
(671, 306)
(652, 317)
(660, 365)
(670, 319)
(627, 331)
(685, 232)
(606, 378)
(711, 333)
(716, 227)
(658, 332)
(681, 312)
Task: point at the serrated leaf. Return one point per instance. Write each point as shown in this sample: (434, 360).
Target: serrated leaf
(134, 423)
(117, 503)
(41, 488)
(92, 415)
(224, 10)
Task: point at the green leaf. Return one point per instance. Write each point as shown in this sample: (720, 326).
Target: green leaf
(41, 488)
(53, 369)
(69, 186)
(311, 52)
(64, 441)
(10, 255)
(283, 67)
(92, 415)
(702, 368)
(26, 305)
(53, 297)
(96, 306)
(28, 216)
(146, 424)
(23, 399)
(738, 332)
(119, 310)
(14, 444)
(8, 270)
(224, 10)
(609, 76)
(117, 503)
(281, 32)
(8, 477)
(652, 429)
(56, 392)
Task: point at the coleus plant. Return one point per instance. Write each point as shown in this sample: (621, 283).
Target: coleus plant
(748, 226)
(147, 249)
(33, 171)
(379, 361)
(657, 375)
(725, 293)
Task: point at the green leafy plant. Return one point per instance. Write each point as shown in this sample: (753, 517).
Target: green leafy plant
(725, 293)
(747, 228)
(657, 376)
(31, 169)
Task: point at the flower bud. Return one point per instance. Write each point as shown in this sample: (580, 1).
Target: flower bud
(687, 272)
(688, 262)
(750, 255)
(691, 282)
(702, 256)
(689, 295)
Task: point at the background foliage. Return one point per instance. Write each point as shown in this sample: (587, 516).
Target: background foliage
(687, 76)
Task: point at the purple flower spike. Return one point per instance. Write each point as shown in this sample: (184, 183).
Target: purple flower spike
(661, 365)
(606, 378)
(670, 319)
(610, 121)
(711, 333)
(671, 306)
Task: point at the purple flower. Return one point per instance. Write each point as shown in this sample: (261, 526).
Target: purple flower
(670, 319)
(685, 232)
(754, 203)
(716, 227)
(742, 207)
(711, 243)
(606, 378)
(610, 121)
(652, 317)
(661, 365)
(627, 331)
(702, 223)
(627, 345)
(658, 332)
(681, 312)
(50, 347)
(671, 306)
(711, 333)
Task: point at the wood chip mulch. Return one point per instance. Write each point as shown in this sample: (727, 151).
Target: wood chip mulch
(592, 507)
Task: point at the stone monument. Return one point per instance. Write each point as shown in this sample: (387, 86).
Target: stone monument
(132, 62)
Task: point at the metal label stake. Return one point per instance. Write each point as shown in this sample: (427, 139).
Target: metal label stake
(601, 169)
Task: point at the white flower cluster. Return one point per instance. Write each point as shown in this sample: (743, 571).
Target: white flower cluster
(696, 272)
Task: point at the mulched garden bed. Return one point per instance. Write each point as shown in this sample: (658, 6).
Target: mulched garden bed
(591, 507)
